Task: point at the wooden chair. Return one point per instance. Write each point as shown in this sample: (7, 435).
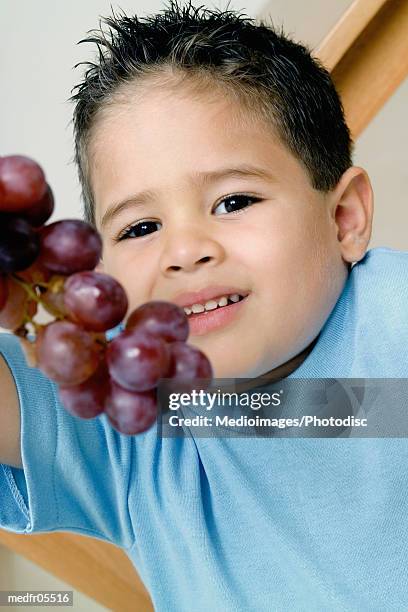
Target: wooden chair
(367, 54)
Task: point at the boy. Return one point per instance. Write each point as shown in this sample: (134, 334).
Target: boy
(215, 160)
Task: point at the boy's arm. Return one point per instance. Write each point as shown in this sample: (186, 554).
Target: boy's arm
(10, 452)
(73, 474)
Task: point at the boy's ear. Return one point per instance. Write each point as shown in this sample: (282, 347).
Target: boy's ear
(352, 212)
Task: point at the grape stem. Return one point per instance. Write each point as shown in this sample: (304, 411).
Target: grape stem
(33, 295)
(22, 331)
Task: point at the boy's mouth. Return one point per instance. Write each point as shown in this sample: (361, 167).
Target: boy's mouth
(214, 304)
(202, 321)
(206, 296)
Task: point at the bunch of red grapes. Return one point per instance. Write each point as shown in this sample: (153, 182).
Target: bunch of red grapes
(54, 266)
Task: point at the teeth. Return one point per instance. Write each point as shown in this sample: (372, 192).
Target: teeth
(197, 308)
(211, 304)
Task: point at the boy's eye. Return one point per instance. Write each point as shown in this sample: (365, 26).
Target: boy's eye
(237, 202)
(234, 204)
(138, 230)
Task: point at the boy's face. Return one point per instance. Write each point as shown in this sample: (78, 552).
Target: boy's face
(281, 249)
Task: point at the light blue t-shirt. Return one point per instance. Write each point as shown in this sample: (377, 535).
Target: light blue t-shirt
(233, 524)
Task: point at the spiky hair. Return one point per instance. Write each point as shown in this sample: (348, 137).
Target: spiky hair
(272, 77)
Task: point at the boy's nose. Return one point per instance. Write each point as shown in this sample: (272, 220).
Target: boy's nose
(189, 251)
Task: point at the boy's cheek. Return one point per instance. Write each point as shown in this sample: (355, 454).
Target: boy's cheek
(129, 276)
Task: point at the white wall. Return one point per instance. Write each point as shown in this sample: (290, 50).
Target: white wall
(37, 53)
(382, 151)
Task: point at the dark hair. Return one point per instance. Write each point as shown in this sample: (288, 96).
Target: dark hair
(272, 77)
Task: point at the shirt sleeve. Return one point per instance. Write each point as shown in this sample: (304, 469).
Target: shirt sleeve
(76, 472)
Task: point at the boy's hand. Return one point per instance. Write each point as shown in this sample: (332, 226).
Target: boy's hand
(53, 266)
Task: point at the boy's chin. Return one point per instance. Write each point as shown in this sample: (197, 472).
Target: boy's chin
(228, 372)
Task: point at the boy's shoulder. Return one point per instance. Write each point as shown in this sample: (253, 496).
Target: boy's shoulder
(366, 334)
(380, 281)
(376, 312)
(383, 259)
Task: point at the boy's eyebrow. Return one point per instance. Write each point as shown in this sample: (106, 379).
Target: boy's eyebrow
(200, 178)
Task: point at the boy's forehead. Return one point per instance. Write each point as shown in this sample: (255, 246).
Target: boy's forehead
(162, 118)
(163, 140)
(151, 114)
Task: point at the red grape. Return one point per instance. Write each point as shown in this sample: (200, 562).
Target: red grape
(187, 364)
(38, 214)
(69, 246)
(67, 353)
(22, 183)
(19, 244)
(87, 399)
(3, 290)
(119, 377)
(137, 360)
(161, 319)
(95, 300)
(129, 412)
